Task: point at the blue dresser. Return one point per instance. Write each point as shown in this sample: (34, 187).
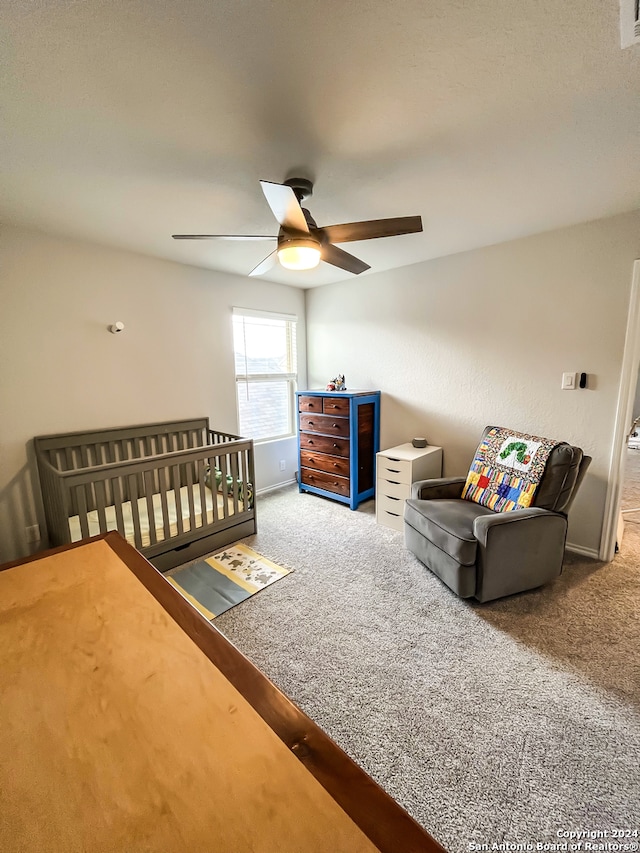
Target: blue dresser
(338, 438)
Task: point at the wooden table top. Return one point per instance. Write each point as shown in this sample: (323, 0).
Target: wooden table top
(129, 723)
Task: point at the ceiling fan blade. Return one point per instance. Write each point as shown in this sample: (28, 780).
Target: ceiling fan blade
(285, 206)
(264, 266)
(372, 228)
(222, 237)
(339, 258)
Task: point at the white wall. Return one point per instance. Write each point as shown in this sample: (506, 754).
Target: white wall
(61, 370)
(483, 337)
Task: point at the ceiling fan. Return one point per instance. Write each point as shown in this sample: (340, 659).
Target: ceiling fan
(301, 243)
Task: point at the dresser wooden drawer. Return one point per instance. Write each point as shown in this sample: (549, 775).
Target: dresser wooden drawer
(310, 404)
(335, 406)
(323, 462)
(398, 470)
(390, 512)
(339, 485)
(392, 489)
(324, 444)
(324, 424)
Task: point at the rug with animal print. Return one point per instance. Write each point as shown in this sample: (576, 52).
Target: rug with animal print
(223, 580)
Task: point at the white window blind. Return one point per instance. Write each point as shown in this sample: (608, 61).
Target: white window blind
(266, 373)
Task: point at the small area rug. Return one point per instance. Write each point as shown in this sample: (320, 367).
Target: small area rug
(223, 580)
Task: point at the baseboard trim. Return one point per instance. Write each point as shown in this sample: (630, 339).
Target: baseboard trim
(592, 553)
(275, 486)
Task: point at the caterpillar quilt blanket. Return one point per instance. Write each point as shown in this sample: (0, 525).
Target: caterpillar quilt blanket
(507, 469)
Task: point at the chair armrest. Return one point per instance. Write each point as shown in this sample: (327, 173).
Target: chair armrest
(518, 550)
(437, 489)
(484, 524)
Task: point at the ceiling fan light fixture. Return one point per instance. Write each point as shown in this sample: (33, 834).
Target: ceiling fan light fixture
(299, 254)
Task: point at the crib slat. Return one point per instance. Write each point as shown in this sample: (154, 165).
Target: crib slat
(163, 477)
(224, 486)
(149, 490)
(212, 463)
(175, 485)
(192, 509)
(116, 494)
(81, 502)
(200, 468)
(84, 456)
(234, 480)
(135, 512)
(101, 497)
(249, 480)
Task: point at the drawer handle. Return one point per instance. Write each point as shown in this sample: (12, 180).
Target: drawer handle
(392, 459)
(310, 423)
(309, 441)
(394, 514)
(393, 470)
(391, 498)
(393, 482)
(335, 426)
(335, 445)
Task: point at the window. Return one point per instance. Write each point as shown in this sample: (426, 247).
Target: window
(266, 373)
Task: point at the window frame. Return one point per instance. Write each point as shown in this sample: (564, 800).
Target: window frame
(290, 377)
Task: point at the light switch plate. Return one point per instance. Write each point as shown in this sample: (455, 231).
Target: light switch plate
(568, 381)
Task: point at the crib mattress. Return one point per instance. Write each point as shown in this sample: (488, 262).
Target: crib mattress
(189, 522)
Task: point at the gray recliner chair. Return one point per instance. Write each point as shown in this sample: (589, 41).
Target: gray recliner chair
(485, 554)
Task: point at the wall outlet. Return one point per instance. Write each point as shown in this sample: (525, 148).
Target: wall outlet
(283, 465)
(32, 533)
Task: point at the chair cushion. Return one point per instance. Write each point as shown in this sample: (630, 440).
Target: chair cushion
(448, 524)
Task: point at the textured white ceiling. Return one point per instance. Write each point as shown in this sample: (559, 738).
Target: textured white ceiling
(125, 121)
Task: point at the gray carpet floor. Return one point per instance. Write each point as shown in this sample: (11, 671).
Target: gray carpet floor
(509, 721)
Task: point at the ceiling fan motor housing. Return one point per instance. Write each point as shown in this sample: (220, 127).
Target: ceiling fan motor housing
(302, 187)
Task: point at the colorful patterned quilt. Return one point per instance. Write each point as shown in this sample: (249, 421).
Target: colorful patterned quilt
(507, 469)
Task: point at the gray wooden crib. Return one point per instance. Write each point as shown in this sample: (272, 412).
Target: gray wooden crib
(174, 490)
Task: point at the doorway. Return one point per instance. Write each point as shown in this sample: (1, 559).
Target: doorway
(620, 454)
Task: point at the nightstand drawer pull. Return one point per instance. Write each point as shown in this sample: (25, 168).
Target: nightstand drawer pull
(393, 470)
(394, 514)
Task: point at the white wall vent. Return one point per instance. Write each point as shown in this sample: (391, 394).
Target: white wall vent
(629, 22)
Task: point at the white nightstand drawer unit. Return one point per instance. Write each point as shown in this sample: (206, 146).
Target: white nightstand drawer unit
(396, 469)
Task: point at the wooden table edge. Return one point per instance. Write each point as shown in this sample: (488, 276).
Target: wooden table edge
(387, 825)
